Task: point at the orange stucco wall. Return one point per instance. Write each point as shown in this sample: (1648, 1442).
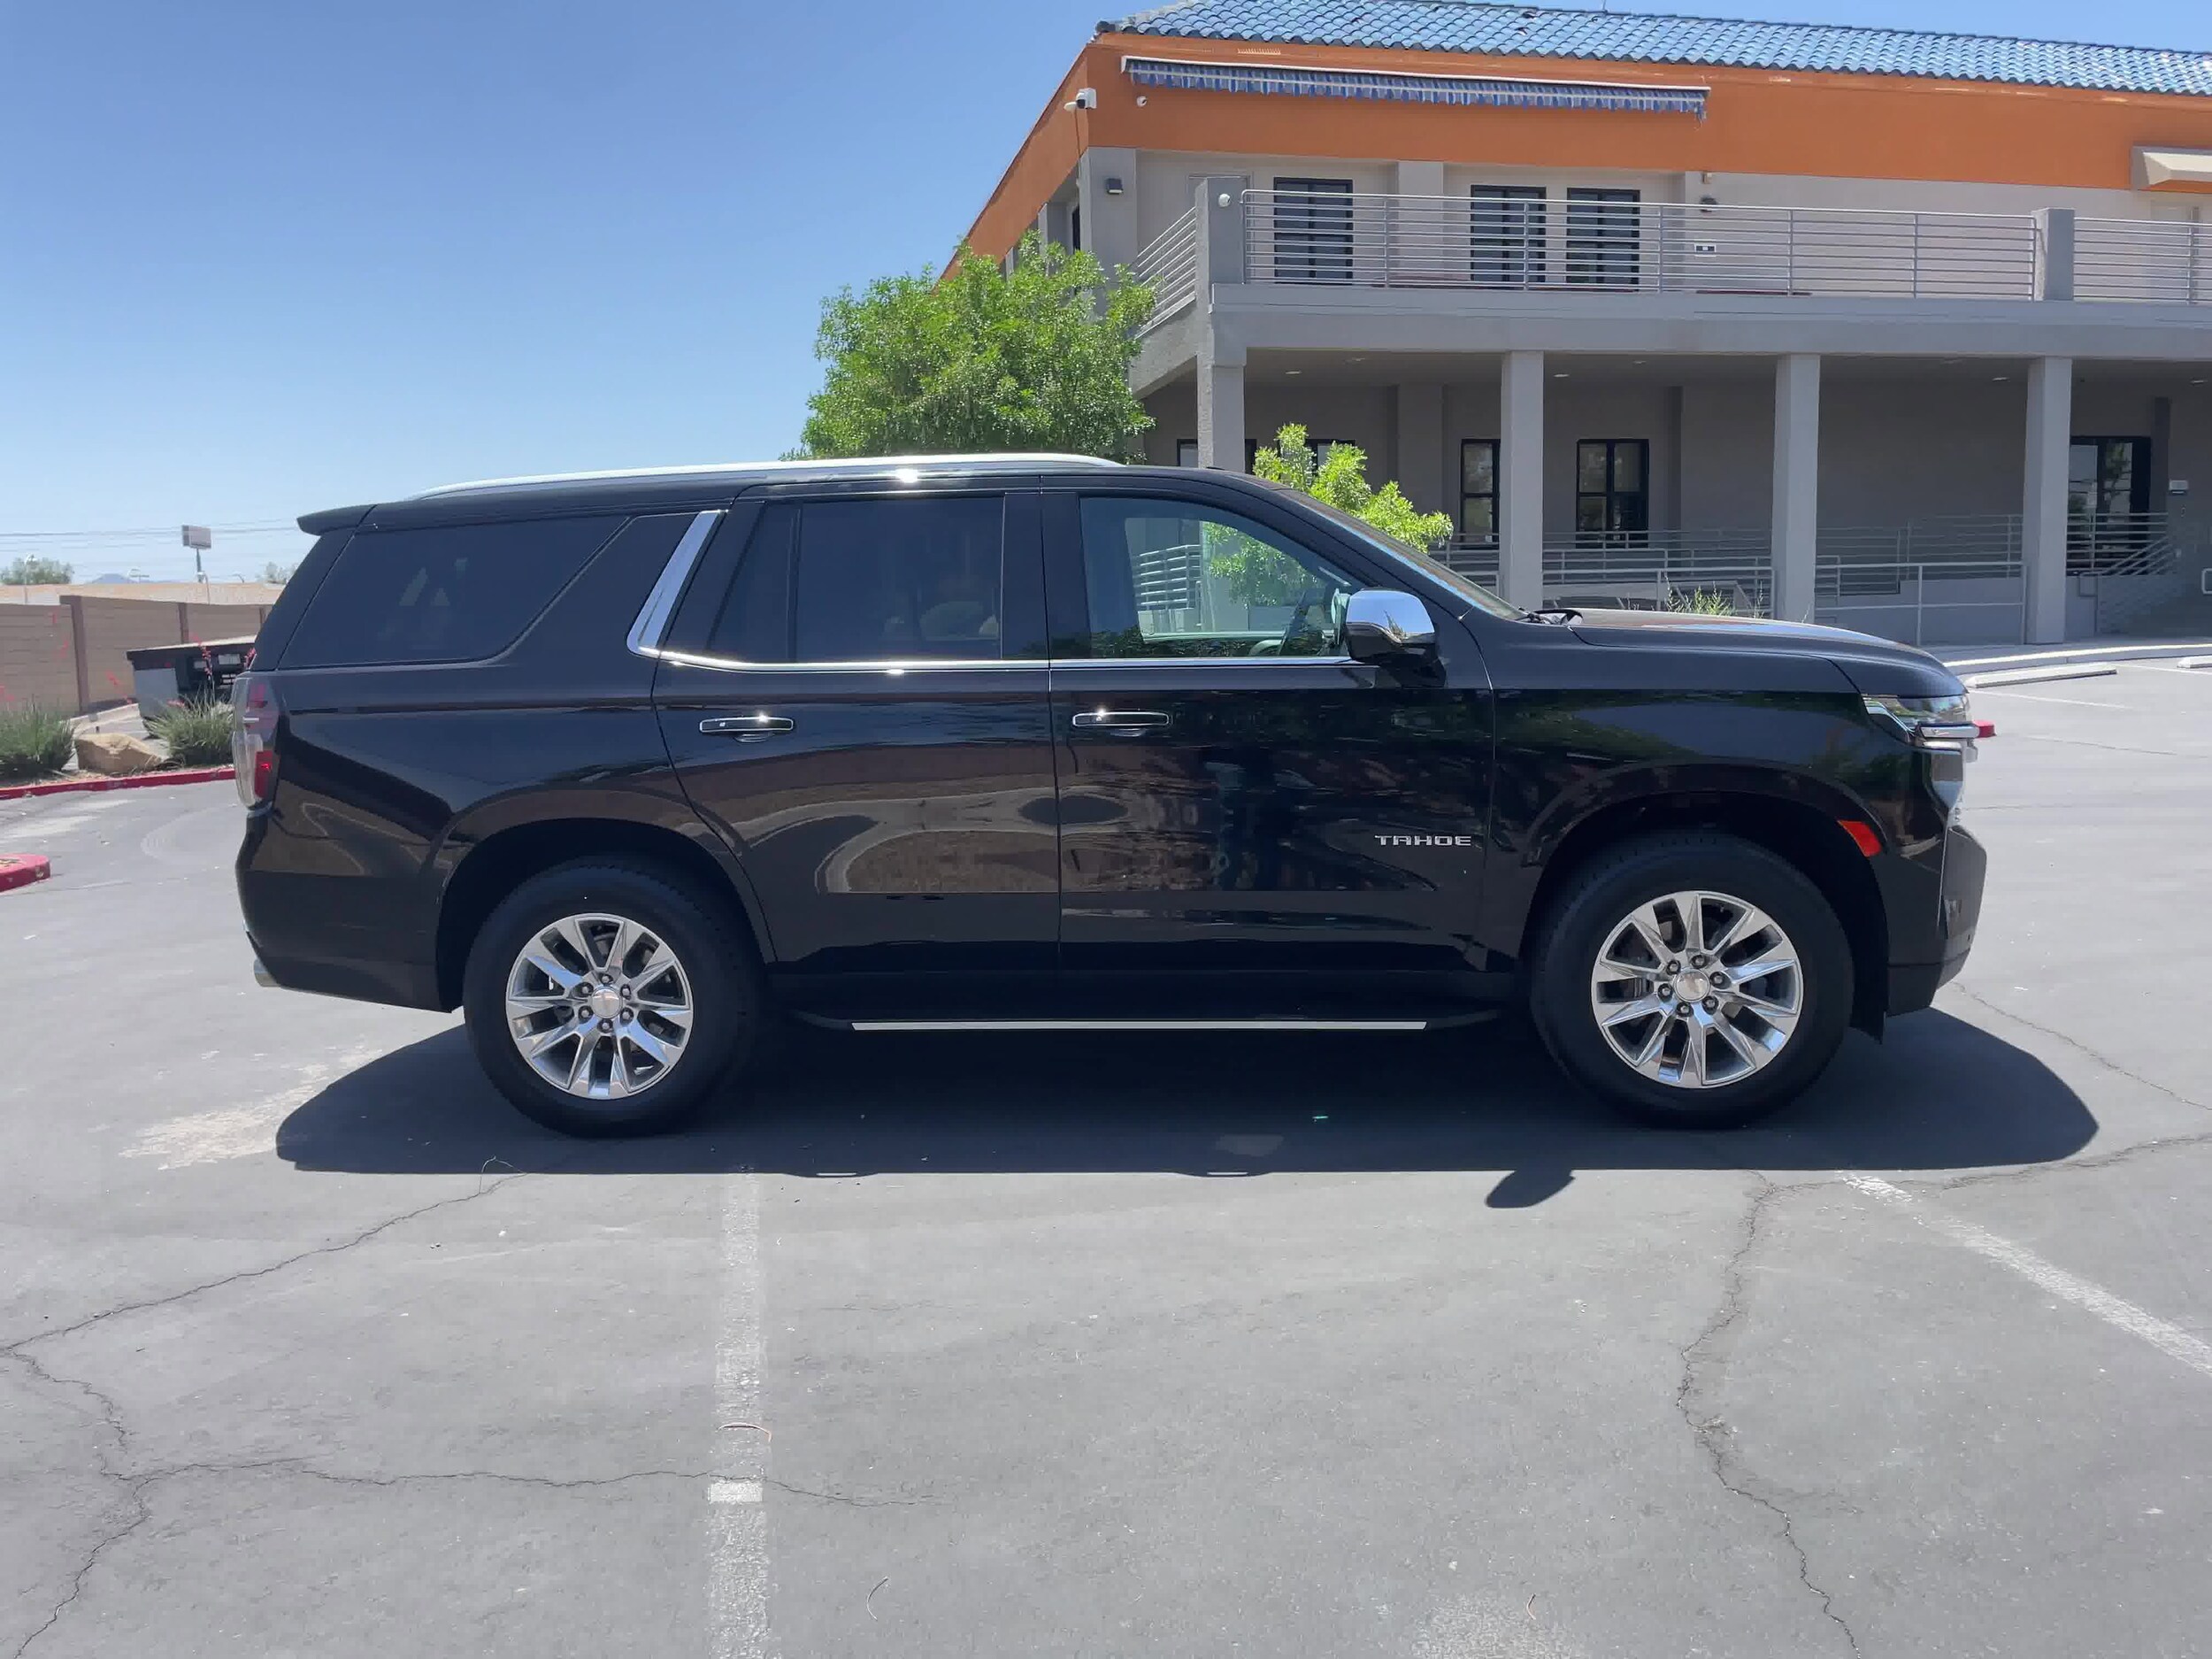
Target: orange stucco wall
(1757, 120)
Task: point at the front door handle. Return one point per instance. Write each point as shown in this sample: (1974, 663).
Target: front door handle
(1121, 722)
(746, 728)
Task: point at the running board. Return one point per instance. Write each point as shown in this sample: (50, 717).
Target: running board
(1139, 1025)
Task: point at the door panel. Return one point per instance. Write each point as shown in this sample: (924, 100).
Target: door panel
(1233, 792)
(894, 815)
(903, 823)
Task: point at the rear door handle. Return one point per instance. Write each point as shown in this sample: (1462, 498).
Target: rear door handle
(746, 728)
(1121, 722)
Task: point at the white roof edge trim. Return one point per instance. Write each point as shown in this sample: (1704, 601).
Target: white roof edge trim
(2156, 166)
(1416, 74)
(861, 464)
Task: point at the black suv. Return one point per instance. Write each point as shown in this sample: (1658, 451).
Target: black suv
(627, 766)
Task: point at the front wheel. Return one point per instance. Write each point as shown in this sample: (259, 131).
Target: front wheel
(1695, 980)
(606, 998)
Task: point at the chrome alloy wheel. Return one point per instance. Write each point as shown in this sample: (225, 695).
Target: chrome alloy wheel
(1697, 989)
(599, 1006)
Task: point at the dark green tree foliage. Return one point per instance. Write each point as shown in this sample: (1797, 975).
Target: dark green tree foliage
(1033, 358)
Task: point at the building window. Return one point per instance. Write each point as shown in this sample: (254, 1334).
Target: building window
(1612, 489)
(1506, 235)
(1603, 238)
(1479, 492)
(2106, 478)
(1313, 230)
(2108, 497)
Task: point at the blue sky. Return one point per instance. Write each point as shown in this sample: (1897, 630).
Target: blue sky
(260, 256)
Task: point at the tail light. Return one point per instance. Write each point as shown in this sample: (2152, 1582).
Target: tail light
(254, 711)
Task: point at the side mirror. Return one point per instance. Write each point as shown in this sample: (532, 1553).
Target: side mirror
(1383, 624)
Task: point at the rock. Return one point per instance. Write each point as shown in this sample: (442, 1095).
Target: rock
(116, 753)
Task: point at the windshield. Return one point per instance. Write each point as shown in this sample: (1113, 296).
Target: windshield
(1406, 553)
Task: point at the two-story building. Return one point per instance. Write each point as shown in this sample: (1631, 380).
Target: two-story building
(1911, 332)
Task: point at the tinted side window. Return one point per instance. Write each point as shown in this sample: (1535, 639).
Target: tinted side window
(755, 623)
(449, 595)
(916, 577)
(1175, 579)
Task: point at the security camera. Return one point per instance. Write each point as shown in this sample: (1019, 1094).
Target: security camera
(1086, 99)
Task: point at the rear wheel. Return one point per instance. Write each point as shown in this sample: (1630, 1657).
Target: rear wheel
(1694, 979)
(606, 998)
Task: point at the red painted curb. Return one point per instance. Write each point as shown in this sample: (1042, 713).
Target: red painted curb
(19, 870)
(142, 780)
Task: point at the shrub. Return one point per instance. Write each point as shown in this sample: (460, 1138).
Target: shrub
(197, 733)
(1703, 602)
(32, 742)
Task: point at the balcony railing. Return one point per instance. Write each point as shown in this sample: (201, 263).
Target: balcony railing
(1169, 265)
(2155, 261)
(1605, 245)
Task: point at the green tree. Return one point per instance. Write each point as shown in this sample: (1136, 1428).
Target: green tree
(981, 359)
(31, 570)
(1339, 478)
(276, 573)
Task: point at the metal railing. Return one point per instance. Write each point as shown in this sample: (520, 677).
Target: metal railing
(1660, 570)
(1606, 246)
(2120, 543)
(2149, 261)
(1168, 265)
(1475, 558)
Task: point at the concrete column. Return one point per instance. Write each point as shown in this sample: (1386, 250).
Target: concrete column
(1796, 484)
(1521, 478)
(1421, 461)
(1220, 204)
(2043, 506)
(1110, 214)
(2055, 230)
(1053, 224)
(1419, 178)
(1221, 412)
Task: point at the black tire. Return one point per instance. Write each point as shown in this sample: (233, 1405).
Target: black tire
(1597, 899)
(717, 961)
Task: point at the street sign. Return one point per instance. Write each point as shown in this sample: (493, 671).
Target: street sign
(197, 535)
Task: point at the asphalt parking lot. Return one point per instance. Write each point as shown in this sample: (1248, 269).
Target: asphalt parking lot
(1205, 1345)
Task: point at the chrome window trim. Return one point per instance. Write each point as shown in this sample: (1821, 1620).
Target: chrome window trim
(881, 665)
(1199, 662)
(912, 664)
(660, 605)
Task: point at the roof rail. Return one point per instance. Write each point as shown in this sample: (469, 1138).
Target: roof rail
(738, 471)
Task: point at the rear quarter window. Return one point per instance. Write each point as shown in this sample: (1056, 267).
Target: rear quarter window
(451, 594)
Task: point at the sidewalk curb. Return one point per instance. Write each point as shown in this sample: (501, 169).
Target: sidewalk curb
(2140, 651)
(2036, 676)
(142, 781)
(19, 870)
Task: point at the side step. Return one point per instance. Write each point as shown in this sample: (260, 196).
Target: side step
(1141, 1025)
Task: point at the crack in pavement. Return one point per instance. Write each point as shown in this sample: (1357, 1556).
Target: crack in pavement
(142, 1513)
(2079, 1047)
(1695, 1397)
(15, 1348)
(843, 1497)
(2100, 1161)
(111, 1414)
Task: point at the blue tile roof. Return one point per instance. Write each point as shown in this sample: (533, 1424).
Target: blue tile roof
(1526, 31)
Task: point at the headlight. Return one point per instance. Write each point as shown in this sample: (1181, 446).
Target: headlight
(1944, 723)
(1944, 729)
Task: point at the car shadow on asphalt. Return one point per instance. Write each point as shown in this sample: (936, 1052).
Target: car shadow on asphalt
(1939, 1095)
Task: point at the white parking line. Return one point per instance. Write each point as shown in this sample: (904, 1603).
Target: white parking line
(737, 1519)
(2170, 1340)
